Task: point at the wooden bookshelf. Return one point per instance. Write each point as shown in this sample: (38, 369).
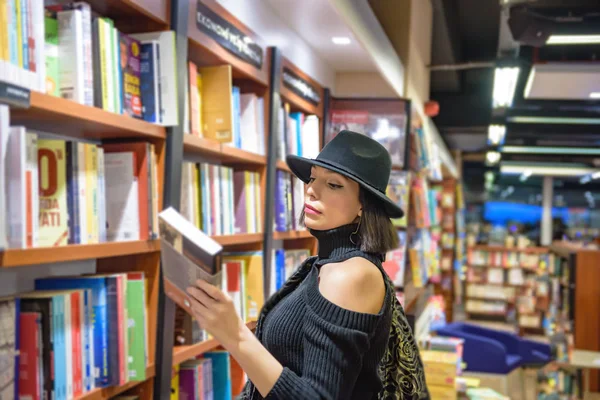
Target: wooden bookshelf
(211, 149)
(291, 235)
(112, 391)
(239, 239)
(183, 353)
(153, 13)
(65, 117)
(47, 255)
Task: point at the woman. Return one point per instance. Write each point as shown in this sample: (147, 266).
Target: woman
(335, 330)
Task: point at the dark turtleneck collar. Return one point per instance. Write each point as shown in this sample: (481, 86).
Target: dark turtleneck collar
(335, 242)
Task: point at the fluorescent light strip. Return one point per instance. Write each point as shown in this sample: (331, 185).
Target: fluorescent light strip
(541, 170)
(505, 83)
(341, 40)
(553, 120)
(549, 150)
(573, 39)
(595, 95)
(496, 134)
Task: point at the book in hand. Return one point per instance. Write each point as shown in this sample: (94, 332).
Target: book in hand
(187, 255)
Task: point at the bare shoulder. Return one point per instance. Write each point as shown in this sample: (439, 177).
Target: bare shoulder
(355, 284)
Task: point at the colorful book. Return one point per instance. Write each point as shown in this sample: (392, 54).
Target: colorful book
(129, 64)
(54, 215)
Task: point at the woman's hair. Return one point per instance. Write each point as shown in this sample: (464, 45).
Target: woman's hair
(376, 233)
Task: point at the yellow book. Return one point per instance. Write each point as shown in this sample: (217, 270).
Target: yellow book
(91, 183)
(53, 215)
(20, 27)
(199, 85)
(102, 27)
(252, 280)
(3, 31)
(175, 383)
(217, 103)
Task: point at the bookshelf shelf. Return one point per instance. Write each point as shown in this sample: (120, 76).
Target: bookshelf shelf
(153, 12)
(530, 250)
(110, 392)
(65, 117)
(46, 255)
(291, 235)
(239, 239)
(228, 155)
(282, 165)
(183, 353)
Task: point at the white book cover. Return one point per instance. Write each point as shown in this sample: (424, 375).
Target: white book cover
(281, 147)
(168, 73)
(83, 193)
(19, 179)
(226, 211)
(32, 188)
(4, 137)
(70, 47)
(122, 202)
(298, 200)
(231, 201)
(37, 8)
(248, 121)
(206, 198)
(310, 137)
(291, 136)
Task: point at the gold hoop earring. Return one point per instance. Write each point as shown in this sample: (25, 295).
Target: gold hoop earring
(355, 232)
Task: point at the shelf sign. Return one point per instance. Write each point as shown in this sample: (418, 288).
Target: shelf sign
(300, 87)
(228, 36)
(14, 95)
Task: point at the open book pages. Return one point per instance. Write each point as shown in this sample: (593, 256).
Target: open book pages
(187, 254)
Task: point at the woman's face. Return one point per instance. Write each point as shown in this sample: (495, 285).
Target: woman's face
(331, 200)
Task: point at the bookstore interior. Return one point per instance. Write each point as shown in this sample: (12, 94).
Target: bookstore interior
(195, 105)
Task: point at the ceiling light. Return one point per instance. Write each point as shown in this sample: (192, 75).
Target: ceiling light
(595, 95)
(573, 39)
(492, 157)
(596, 175)
(340, 40)
(556, 169)
(553, 120)
(525, 175)
(496, 134)
(550, 150)
(505, 84)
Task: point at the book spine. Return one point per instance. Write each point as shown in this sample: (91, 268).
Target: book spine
(70, 42)
(32, 195)
(68, 338)
(122, 317)
(76, 337)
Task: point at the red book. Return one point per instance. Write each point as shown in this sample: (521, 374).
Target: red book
(76, 343)
(30, 338)
(142, 160)
(194, 101)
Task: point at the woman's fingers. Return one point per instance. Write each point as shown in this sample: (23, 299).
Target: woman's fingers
(201, 296)
(211, 290)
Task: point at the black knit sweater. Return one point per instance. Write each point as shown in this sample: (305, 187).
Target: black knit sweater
(327, 352)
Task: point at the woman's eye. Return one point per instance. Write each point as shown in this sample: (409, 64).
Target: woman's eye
(334, 186)
(311, 179)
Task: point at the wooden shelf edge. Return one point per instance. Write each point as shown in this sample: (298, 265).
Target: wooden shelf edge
(531, 250)
(46, 255)
(239, 239)
(110, 392)
(46, 108)
(211, 148)
(292, 235)
(184, 353)
(282, 165)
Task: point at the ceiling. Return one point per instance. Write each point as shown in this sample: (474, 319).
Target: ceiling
(319, 24)
(469, 36)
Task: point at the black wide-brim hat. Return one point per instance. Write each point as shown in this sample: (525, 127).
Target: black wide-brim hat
(357, 157)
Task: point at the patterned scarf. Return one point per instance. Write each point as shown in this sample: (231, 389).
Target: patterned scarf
(401, 370)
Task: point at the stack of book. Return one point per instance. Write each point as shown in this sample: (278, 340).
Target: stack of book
(297, 134)
(76, 192)
(219, 111)
(221, 201)
(74, 334)
(289, 202)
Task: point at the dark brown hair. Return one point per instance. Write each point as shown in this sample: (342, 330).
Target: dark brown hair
(376, 234)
